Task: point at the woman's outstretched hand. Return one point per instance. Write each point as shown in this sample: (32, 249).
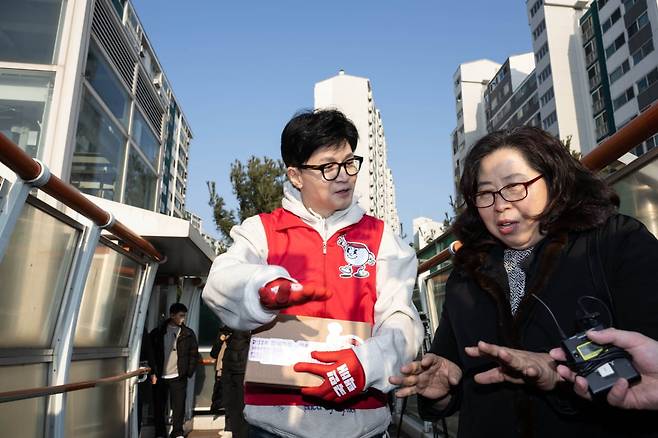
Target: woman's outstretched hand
(516, 366)
(431, 377)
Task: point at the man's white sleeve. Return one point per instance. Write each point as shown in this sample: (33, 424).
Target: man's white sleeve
(397, 331)
(231, 290)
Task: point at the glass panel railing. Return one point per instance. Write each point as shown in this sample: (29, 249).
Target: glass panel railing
(204, 381)
(109, 300)
(34, 272)
(437, 287)
(96, 412)
(638, 192)
(23, 418)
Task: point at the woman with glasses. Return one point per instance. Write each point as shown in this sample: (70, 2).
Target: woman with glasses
(320, 255)
(536, 226)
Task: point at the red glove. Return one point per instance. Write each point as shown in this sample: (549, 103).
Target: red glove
(343, 378)
(281, 293)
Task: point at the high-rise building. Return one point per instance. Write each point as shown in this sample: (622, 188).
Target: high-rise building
(470, 83)
(82, 90)
(560, 70)
(375, 189)
(511, 96)
(425, 231)
(618, 38)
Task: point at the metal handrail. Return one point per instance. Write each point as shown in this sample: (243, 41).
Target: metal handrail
(440, 257)
(635, 132)
(29, 169)
(42, 391)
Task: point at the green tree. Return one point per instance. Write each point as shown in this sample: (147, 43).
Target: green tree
(258, 188)
(567, 144)
(448, 220)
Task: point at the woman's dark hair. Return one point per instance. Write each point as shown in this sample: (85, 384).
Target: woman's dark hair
(577, 199)
(310, 130)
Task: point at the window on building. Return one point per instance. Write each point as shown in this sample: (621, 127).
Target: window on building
(642, 52)
(628, 4)
(616, 45)
(541, 27)
(543, 50)
(547, 97)
(545, 74)
(587, 28)
(602, 3)
(145, 138)
(638, 24)
(29, 30)
(598, 102)
(594, 76)
(601, 125)
(612, 19)
(620, 71)
(25, 98)
(108, 86)
(99, 152)
(647, 80)
(623, 98)
(140, 182)
(590, 52)
(549, 120)
(119, 5)
(535, 8)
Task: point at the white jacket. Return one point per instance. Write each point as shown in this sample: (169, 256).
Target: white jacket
(232, 292)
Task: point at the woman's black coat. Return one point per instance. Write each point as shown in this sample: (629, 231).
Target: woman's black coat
(560, 271)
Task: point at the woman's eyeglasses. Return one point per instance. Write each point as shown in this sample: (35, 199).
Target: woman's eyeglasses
(510, 193)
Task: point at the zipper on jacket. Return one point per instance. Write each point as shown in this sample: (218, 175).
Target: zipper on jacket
(324, 236)
(324, 263)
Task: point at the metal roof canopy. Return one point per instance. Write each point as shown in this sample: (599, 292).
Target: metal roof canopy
(188, 254)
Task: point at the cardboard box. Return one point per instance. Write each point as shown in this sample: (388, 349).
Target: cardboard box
(277, 347)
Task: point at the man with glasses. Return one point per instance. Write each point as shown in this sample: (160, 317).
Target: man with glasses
(299, 260)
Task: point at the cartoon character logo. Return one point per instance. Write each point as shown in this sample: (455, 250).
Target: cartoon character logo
(358, 256)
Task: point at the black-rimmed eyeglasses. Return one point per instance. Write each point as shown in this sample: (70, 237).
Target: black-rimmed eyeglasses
(510, 193)
(331, 170)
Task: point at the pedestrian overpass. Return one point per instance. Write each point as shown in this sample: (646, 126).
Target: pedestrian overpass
(83, 278)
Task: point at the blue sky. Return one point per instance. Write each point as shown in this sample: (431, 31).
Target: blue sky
(241, 69)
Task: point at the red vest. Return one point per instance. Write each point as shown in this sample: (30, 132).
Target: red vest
(344, 264)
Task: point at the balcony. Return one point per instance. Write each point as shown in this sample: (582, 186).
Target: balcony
(594, 81)
(598, 106)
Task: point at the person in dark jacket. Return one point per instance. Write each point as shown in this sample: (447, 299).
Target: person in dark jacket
(176, 357)
(217, 353)
(234, 364)
(537, 224)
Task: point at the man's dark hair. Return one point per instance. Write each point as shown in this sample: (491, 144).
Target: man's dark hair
(310, 130)
(577, 199)
(177, 308)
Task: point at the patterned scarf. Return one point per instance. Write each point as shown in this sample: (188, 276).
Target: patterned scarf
(513, 260)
